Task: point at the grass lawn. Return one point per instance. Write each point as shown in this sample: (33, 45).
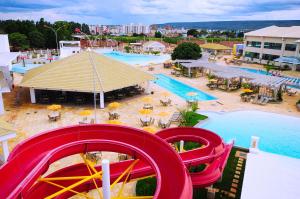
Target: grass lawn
(191, 118)
(223, 188)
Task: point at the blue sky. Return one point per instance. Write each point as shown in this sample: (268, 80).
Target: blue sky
(149, 11)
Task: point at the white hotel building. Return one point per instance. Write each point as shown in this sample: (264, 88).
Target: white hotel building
(272, 42)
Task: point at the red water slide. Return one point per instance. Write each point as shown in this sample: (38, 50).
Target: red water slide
(31, 158)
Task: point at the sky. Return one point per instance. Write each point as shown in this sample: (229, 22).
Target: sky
(149, 11)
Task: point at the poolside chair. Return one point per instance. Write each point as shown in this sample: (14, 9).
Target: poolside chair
(255, 100)
(264, 101)
(164, 125)
(211, 86)
(166, 103)
(113, 116)
(175, 118)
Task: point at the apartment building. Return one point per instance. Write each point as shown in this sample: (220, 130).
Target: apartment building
(135, 28)
(267, 44)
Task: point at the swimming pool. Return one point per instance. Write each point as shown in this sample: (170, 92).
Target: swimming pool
(135, 59)
(279, 134)
(181, 89)
(19, 68)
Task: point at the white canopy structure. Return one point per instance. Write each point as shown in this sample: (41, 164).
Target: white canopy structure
(154, 46)
(229, 72)
(6, 59)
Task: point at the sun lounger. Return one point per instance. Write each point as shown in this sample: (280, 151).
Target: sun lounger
(290, 93)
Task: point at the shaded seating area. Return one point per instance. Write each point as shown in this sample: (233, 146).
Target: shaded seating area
(74, 79)
(261, 92)
(226, 82)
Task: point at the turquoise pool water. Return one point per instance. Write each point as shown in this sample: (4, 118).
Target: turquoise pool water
(134, 59)
(296, 81)
(279, 134)
(19, 68)
(181, 89)
(252, 70)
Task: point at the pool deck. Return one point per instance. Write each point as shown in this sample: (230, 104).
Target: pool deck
(273, 176)
(29, 119)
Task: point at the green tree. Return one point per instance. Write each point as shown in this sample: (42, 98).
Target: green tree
(36, 39)
(157, 34)
(193, 32)
(18, 41)
(127, 49)
(187, 50)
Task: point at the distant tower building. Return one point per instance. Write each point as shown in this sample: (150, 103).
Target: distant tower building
(135, 28)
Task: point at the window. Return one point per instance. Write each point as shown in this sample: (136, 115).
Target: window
(255, 44)
(252, 55)
(275, 46)
(290, 47)
(269, 57)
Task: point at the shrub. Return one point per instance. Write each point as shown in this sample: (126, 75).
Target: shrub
(146, 187)
(194, 107)
(246, 85)
(190, 118)
(187, 50)
(127, 49)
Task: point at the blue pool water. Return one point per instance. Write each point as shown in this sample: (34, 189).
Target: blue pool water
(181, 89)
(19, 68)
(279, 134)
(134, 59)
(262, 72)
(296, 81)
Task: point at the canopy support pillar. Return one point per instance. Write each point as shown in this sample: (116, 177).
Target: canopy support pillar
(101, 100)
(3, 140)
(32, 95)
(1, 104)
(106, 179)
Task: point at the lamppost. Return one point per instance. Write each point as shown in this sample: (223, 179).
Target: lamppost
(97, 75)
(55, 32)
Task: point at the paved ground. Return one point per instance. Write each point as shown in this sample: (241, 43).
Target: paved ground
(271, 176)
(30, 119)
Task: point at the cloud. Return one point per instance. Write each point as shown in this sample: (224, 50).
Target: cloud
(149, 11)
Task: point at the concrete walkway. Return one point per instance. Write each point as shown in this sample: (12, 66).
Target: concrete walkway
(271, 176)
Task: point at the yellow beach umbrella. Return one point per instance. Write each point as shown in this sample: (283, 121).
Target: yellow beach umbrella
(150, 129)
(147, 99)
(114, 105)
(54, 107)
(145, 111)
(116, 122)
(163, 114)
(192, 94)
(213, 80)
(247, 90)
(85, 112)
